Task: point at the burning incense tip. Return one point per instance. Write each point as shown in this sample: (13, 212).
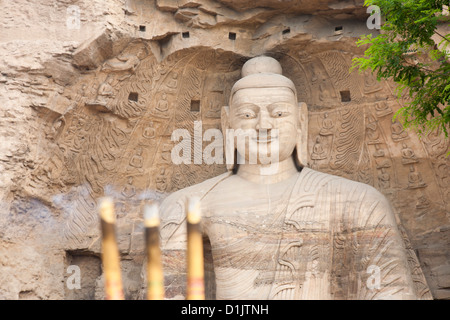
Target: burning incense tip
(151, 215)
(194, 214)
(106, 208)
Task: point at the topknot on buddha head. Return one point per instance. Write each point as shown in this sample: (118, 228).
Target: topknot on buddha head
(262, 72)
(261, 64)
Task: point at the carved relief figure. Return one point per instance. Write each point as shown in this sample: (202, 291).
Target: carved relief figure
(286, 231)
(137, 161)
(177, 179)
(129, 190)
(125, 61)
(371, 130)
(382, 109)
(318, 153)
(408, 155)
(423, 202)
(172, 84)
(435, 143)
(166, 153)
(398, 133)
(415, 179)
(327, 126)
(213, 109)
(161, 181)
(378, 152)
(442, 173)
(384, 179)
(105, 91)
(163, 105)
(321, 81)
(383, 163)
(371, 85)
(149, 131)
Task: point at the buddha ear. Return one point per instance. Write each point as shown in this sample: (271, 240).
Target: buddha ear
(302, 135)
(228, 139)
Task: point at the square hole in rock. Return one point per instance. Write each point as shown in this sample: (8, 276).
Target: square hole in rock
(195, 105)
(232, 36)
(185, 34)
(338, 30)
(133, 96)
(142, 28)
(345, 96)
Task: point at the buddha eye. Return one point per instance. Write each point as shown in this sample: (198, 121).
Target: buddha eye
(247, 115)
(280, 113)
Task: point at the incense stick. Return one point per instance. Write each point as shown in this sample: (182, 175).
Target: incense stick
(110, 251)
(155, 276)
(195, 271)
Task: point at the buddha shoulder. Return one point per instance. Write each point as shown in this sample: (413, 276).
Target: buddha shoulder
(175, 201)
(315, 180)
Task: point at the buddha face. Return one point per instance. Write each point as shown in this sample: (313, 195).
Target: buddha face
(272, 115)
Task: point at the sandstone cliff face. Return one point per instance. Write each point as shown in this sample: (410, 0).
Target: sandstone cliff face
(91, 92)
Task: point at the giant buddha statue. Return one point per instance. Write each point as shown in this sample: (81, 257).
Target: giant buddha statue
(281, 230)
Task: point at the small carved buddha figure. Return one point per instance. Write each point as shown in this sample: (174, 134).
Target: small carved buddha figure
(423, 202)
(318, 152)
(173, 82)
(163, 105)
(137, 161)
(415, 179)
(177, 179)
(378, 151)
(129, 190)
(149, 131)
(278, 229)
(371, 130)
(370, 83)
(443, 174)
(327, 126)
(398, 133)
(166, 153)
(408, 155)
(384, 179)
(214, 109)
(382, 109)
(105, 91)
(382, 163)
(161, 181)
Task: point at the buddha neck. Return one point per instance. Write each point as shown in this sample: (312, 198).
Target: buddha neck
(268, 174)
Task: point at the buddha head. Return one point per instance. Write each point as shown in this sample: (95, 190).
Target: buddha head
(265, 102)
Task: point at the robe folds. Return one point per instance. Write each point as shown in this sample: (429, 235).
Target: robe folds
(312, 236)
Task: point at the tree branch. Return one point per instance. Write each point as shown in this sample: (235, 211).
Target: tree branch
(444, 37)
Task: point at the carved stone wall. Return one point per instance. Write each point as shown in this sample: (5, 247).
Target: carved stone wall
(90, 112)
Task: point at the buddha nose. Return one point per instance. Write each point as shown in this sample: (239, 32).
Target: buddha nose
(264, 121)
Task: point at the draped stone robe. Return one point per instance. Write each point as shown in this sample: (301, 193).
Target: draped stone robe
(313, 236)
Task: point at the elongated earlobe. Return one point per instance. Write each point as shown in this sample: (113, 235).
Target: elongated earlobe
(301, 148)
(228, 139)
